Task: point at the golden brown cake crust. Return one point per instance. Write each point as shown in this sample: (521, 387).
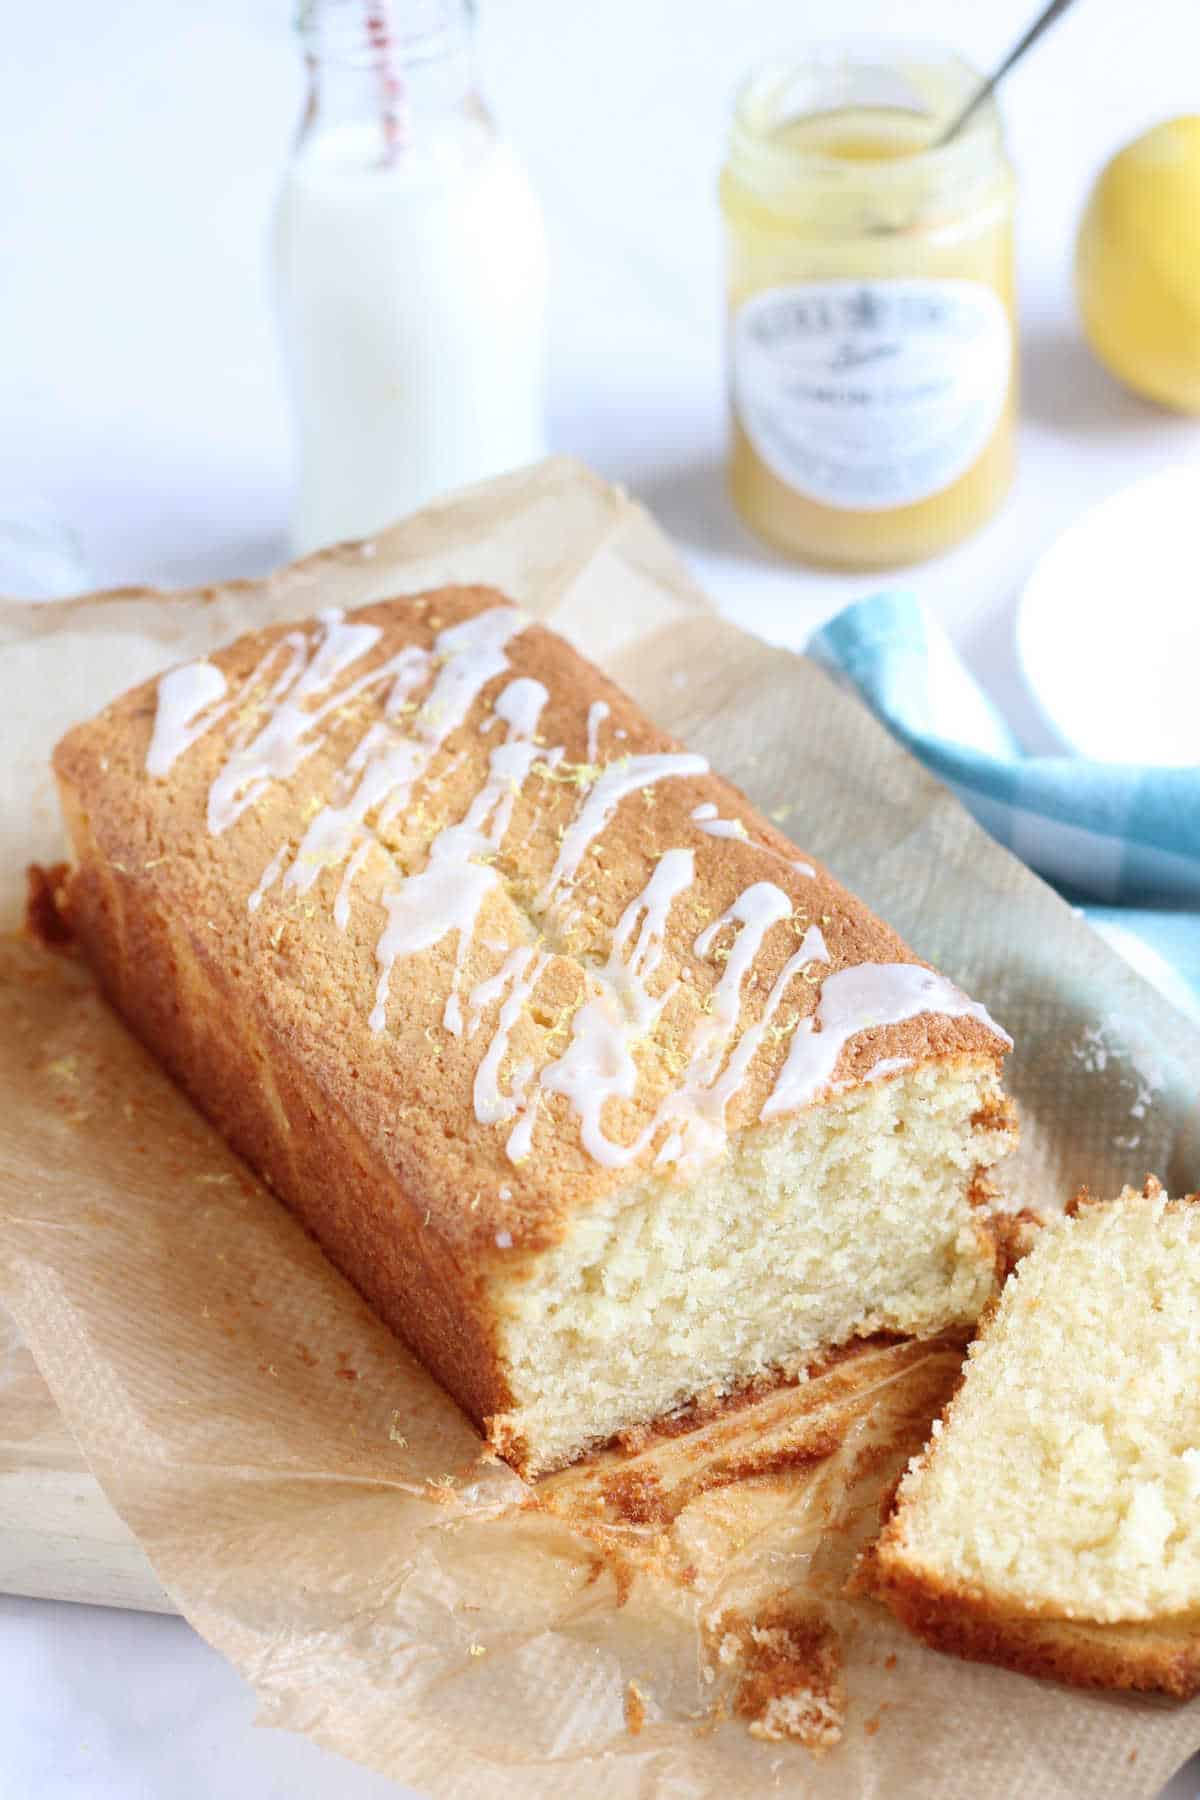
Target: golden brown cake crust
(1161, 1656)
(317, 982)
(262, 1015)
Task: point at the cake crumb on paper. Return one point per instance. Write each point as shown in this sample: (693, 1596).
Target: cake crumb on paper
(788, 1666)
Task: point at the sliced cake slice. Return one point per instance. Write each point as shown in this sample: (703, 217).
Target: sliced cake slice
(1052, 1523)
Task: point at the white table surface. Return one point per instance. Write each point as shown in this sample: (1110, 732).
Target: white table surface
(142, 403)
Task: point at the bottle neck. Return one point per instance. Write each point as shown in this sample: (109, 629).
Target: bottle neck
(397, 68)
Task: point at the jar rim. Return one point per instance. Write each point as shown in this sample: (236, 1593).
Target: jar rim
(757, 114)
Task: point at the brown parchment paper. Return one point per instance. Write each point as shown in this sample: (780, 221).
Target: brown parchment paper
(313, 1502)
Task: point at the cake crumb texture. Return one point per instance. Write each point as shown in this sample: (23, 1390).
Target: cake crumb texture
(1053, 1521)
(787, 1665)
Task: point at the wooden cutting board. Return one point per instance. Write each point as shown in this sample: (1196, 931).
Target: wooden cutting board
(59, 1537)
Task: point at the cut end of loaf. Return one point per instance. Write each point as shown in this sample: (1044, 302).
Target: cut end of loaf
(856, 1217)
(574, 1066)
(1050, 1524)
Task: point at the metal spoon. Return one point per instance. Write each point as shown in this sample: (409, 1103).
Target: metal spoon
(1043, 21)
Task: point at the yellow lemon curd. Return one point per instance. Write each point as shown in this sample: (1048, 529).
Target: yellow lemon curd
(870, 291)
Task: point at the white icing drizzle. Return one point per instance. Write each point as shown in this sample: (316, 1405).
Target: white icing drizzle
(612, 786)
(705, 816)
(341, 643)
(383, 768)
(269, 875)
(521, 1136)
(184, 694)
(887, 1065)
(400, 796)
(391, 763)
(756, 909)
(475, 652)
(388, 764)
(597, 713)
(449, 893)
(492, 988)
(598, 1063)
(341, 905)
(446, 896)
(334, 832)
(284, 727)
(597, 1066)
(673, 876)
(290, 732)
(858, 999)
(702, 1100)
(520, 705)
(519, 975)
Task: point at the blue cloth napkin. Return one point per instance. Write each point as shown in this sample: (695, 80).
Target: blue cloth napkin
(1121, 840)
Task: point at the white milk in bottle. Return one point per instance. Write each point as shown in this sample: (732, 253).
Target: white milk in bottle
(411, 272)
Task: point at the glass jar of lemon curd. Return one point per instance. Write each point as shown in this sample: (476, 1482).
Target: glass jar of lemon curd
(871, 327)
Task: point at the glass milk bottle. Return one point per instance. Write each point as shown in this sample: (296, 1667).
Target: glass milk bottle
(411, 272)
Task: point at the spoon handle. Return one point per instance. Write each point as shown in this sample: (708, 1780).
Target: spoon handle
(1042, 23)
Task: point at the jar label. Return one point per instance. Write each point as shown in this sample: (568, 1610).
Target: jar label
(871, 394)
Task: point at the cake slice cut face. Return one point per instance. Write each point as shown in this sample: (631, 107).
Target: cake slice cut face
(606, 1096)
(1053, 1522)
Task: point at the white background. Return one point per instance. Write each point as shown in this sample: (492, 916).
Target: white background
(141, 401)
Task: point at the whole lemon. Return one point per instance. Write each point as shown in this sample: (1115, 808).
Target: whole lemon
(1137, 265)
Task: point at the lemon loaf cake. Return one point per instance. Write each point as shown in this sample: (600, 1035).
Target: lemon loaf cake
(1053, 1522)
(603, 1094)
